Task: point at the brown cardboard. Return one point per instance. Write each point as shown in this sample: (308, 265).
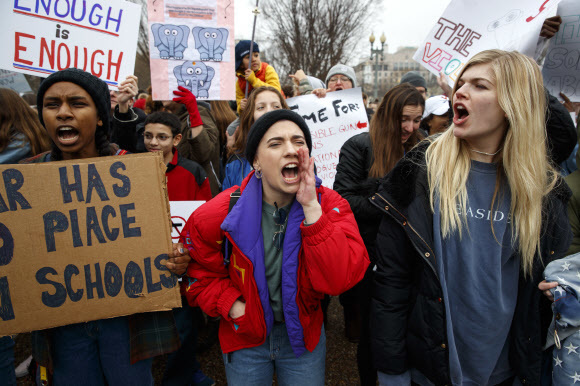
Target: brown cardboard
(34, 277)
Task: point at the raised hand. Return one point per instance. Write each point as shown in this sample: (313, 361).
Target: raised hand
(306, 194)
(128, 90)
(185, 97)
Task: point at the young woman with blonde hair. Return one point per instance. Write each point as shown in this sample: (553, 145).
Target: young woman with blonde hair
(471, 218)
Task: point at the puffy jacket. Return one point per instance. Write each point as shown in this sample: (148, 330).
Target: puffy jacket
(327, 257)
(408, 320)
(355, 186)
(237, 168)
(265, 76)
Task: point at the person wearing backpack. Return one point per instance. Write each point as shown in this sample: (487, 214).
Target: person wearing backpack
(265, 264)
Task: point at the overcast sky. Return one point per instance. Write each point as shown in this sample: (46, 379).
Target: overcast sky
(404, 22)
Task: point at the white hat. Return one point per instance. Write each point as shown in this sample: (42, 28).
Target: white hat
(436, 105)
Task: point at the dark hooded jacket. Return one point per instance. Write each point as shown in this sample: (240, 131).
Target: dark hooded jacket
(408, 320)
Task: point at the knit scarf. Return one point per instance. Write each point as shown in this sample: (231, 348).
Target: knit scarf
(260, 74)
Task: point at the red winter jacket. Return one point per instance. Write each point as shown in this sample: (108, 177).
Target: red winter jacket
(186, 180)
(327, 257)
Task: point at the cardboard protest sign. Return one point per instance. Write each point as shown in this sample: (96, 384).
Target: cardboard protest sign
(561, 69)
(83, 240)
(468, 27)
(180, 212)
(191, 44)
(331, 120)
(98, 36)
(14, 81)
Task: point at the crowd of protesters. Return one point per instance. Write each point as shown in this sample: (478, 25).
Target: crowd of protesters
(435, 237)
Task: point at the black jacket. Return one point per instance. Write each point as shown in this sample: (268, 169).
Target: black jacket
(408, 321)
(560, 131)
(354, 185)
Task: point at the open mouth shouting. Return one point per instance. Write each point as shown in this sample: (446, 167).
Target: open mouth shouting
(460, 113)
(290, 173)
(67, 135)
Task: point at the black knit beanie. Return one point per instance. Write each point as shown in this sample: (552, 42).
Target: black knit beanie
(261, 126)
(94, 86)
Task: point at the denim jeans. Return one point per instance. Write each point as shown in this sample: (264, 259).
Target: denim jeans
(182, 364)
(256, 365)
(97, 353)
(7, 376)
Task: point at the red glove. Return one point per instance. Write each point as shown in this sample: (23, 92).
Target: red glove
(185, 97)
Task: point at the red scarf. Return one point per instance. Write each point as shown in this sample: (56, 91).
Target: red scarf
(260, 74)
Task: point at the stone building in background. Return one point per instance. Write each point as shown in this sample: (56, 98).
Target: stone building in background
(390, 70)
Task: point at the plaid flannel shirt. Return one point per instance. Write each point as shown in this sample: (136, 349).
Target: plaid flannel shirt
(151, 334)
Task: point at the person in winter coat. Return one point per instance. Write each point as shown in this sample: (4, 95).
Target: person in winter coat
(257, 74)
(74, 107)
(260, 101)
(288, 241)
(364, 159)
(21, 134)
(470, 219)
(199, 134)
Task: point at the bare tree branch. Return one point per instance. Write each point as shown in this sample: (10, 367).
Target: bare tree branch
(314, 35)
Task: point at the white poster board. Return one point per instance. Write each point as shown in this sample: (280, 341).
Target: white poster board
(191, 44)
(180, 212)
(14, 81)
(561, 69)
(468, 27)
(331, 120)
(97, 36)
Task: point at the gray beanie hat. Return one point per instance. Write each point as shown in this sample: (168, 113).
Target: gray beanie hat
(415, 79)
(343, 70)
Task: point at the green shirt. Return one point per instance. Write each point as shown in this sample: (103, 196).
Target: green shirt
(273, 257)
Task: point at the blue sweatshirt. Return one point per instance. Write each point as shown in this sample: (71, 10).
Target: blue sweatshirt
(479, 275)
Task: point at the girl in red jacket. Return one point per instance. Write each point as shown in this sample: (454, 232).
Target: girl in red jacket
(265, 265)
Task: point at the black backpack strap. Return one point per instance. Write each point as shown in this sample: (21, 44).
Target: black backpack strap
(234, 197)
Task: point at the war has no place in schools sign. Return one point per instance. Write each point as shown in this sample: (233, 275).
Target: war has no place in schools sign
(83, 240)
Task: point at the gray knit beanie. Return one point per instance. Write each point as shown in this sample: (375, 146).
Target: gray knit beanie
(415, 79)
(343, 70)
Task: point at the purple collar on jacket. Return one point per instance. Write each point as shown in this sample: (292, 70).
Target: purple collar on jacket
(243, 224)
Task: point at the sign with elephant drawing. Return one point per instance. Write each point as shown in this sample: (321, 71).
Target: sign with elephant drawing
(191, 44)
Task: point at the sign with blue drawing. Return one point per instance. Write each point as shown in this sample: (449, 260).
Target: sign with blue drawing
(98, 36)
(191, 45)
(561, 69)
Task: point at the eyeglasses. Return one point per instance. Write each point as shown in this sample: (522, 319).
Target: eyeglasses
(280, 220)
(334, 79)
(160, 137)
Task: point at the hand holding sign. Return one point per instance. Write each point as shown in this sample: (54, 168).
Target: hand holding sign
(178, 259)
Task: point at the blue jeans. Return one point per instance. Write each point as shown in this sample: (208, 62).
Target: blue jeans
(7, 376)
(256, 365)
(182, 364)
(97, 353)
